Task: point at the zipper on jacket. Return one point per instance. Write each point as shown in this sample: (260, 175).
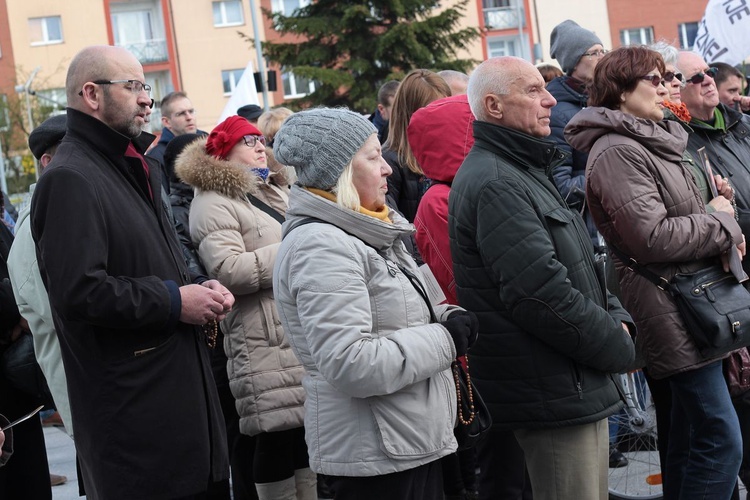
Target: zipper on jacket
(577, 378)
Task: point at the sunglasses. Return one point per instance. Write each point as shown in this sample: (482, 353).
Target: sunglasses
(669, 76)
(654, 79)
(250, 140)
(701, 75)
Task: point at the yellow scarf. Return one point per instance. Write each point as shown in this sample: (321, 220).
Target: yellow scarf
(380, 214)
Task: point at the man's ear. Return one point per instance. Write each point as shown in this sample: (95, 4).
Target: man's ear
(44, 161)
(165, 121)
(91, 98)
(494, 106)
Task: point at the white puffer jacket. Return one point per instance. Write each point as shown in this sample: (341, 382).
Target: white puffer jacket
(380, 395)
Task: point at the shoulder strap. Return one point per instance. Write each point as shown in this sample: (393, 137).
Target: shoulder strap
(265, 208)
(634, 266)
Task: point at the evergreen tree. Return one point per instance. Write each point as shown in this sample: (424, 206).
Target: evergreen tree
(349, 47)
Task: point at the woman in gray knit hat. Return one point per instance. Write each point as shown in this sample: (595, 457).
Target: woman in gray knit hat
(380, 398)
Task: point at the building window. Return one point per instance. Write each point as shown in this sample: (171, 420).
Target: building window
(498, 47)
(228, 13)
(287, 7)
(45, 30)
(56, 99)
(4, 114)
(296, 86)
(687, 32)
(231, 77)
(637, 36)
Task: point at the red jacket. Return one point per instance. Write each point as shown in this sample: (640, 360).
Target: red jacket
(440, 135)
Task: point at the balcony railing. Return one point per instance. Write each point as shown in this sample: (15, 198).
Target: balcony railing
(503, 18)
(148, 51)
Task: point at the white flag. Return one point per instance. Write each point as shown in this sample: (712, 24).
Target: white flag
(724, 32)
(244, 93)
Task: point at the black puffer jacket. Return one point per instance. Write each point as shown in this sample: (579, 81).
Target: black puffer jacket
(569, 175)
(546, 341)
(729, 153)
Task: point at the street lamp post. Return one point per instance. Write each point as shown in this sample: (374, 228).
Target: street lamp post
(259, 54)
(26, 88)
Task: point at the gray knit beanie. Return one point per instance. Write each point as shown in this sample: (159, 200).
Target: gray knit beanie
(319, 143)
(569, 42)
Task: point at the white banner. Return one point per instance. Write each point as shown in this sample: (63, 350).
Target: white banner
(244, 93)
(724, 32)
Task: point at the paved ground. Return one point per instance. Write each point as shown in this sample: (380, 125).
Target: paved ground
(61, 457)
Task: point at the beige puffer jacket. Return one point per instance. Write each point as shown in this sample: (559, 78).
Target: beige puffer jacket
(237, 243)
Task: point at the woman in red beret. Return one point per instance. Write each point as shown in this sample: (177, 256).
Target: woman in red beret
(235, 224)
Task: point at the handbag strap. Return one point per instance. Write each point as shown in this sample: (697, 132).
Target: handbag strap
(265, 208)
(661, 282)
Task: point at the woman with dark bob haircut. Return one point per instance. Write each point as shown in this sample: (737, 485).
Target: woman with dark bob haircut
(644, 201)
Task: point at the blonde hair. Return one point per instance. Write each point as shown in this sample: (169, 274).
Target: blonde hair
(346, 194)
(270, 122)
(417, 90)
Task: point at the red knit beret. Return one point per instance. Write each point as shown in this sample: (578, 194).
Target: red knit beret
(225, 135)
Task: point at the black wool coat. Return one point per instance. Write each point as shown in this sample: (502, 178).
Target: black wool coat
(144, 405)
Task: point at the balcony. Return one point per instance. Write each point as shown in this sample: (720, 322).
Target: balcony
(148, 51)
(504, 18)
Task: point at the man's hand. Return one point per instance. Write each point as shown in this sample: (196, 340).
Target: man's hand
(201, 304)
(228, 297)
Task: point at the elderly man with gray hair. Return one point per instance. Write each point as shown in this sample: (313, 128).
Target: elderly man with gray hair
(550, 333)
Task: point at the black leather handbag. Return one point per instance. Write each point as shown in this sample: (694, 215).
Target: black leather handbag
(474, 418)
(714, 306)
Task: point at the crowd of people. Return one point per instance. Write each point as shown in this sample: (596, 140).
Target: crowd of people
(256, 300)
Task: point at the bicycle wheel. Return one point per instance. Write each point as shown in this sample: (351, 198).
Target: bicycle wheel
(640, 478)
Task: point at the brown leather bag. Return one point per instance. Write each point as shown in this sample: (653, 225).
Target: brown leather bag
(737, 372)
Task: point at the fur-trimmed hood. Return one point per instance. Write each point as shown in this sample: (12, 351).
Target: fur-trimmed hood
(233, 179)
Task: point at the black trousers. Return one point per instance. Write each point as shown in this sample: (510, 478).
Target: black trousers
(279, 454)
(502, 468)
(421, 483)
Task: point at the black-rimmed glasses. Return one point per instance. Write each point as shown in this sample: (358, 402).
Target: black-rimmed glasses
(701, 75)
(654, 79)
(251, 140)
(135, 86)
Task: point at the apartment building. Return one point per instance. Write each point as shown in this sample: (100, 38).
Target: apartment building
(195, 45)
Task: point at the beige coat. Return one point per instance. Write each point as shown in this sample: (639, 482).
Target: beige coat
(237, 244)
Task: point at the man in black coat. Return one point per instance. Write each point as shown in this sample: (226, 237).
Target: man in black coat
(147, 417)
(549, 332)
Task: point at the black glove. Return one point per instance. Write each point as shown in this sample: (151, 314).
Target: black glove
(463, 327)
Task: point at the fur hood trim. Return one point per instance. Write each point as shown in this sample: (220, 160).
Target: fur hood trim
(197, 168)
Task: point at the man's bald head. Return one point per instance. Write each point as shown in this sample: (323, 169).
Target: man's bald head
(510, 91)
(108, 84)
(90, 64)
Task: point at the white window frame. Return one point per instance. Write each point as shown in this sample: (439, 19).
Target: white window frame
(234, 79)
(45, 30)
(645, 36)
(295, 92)
(515, 45)
(682, 32)
(223, 11)
(278, 6)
